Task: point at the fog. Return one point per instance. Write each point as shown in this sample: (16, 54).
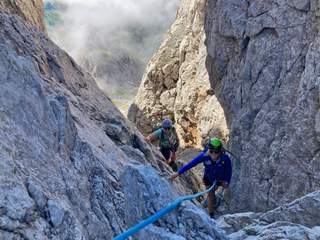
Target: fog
(111, 39)
(134, 25)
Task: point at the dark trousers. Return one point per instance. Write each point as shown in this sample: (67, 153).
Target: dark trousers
(166, 153)
(212, 200)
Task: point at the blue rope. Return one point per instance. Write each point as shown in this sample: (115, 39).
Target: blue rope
(159, 214)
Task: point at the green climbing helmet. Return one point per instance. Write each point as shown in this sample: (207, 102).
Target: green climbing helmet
(215, 144)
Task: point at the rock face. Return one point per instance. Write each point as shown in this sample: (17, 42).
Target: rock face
(263, 67)
(296, 220)
(176, 82)
(156, 194)
(117, 74)
(30, 10)
(263, 62)
(122, 71)
(66, 151)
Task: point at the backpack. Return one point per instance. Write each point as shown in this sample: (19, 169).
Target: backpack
(162, 138)
(224, 150)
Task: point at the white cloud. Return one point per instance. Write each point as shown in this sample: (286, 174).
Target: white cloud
(88, 22)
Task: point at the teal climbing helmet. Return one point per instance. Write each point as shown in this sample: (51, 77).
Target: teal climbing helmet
(215, 145)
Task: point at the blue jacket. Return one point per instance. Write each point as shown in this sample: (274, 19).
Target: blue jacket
(221, 170)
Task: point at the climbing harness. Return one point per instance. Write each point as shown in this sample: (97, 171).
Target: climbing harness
(160, 214)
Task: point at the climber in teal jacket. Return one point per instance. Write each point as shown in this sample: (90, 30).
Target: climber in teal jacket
(217, 169)
(168, 141)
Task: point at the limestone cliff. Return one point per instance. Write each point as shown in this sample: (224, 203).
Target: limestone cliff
(263, 62)
(176, 82)
(71, 167)
(262, 58)
(296, 220)
(29, 10)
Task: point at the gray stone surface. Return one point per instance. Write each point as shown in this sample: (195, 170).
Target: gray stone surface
(234, 222)
(263, 62)
(303, 211)
(64, 147)
(176, 83)
(277, 230)
(30, 10)
(56, 213)
(150, 194)
(15, 202)
(71, 167)
(154, 233)
(295, 220)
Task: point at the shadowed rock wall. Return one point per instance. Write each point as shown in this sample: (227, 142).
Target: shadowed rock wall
(263, 62)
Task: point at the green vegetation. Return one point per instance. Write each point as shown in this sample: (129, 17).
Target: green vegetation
(52, 16)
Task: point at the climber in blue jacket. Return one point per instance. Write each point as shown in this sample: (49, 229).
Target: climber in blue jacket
(217, 169)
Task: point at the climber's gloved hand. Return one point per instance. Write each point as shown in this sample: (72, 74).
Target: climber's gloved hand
(173, 176)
